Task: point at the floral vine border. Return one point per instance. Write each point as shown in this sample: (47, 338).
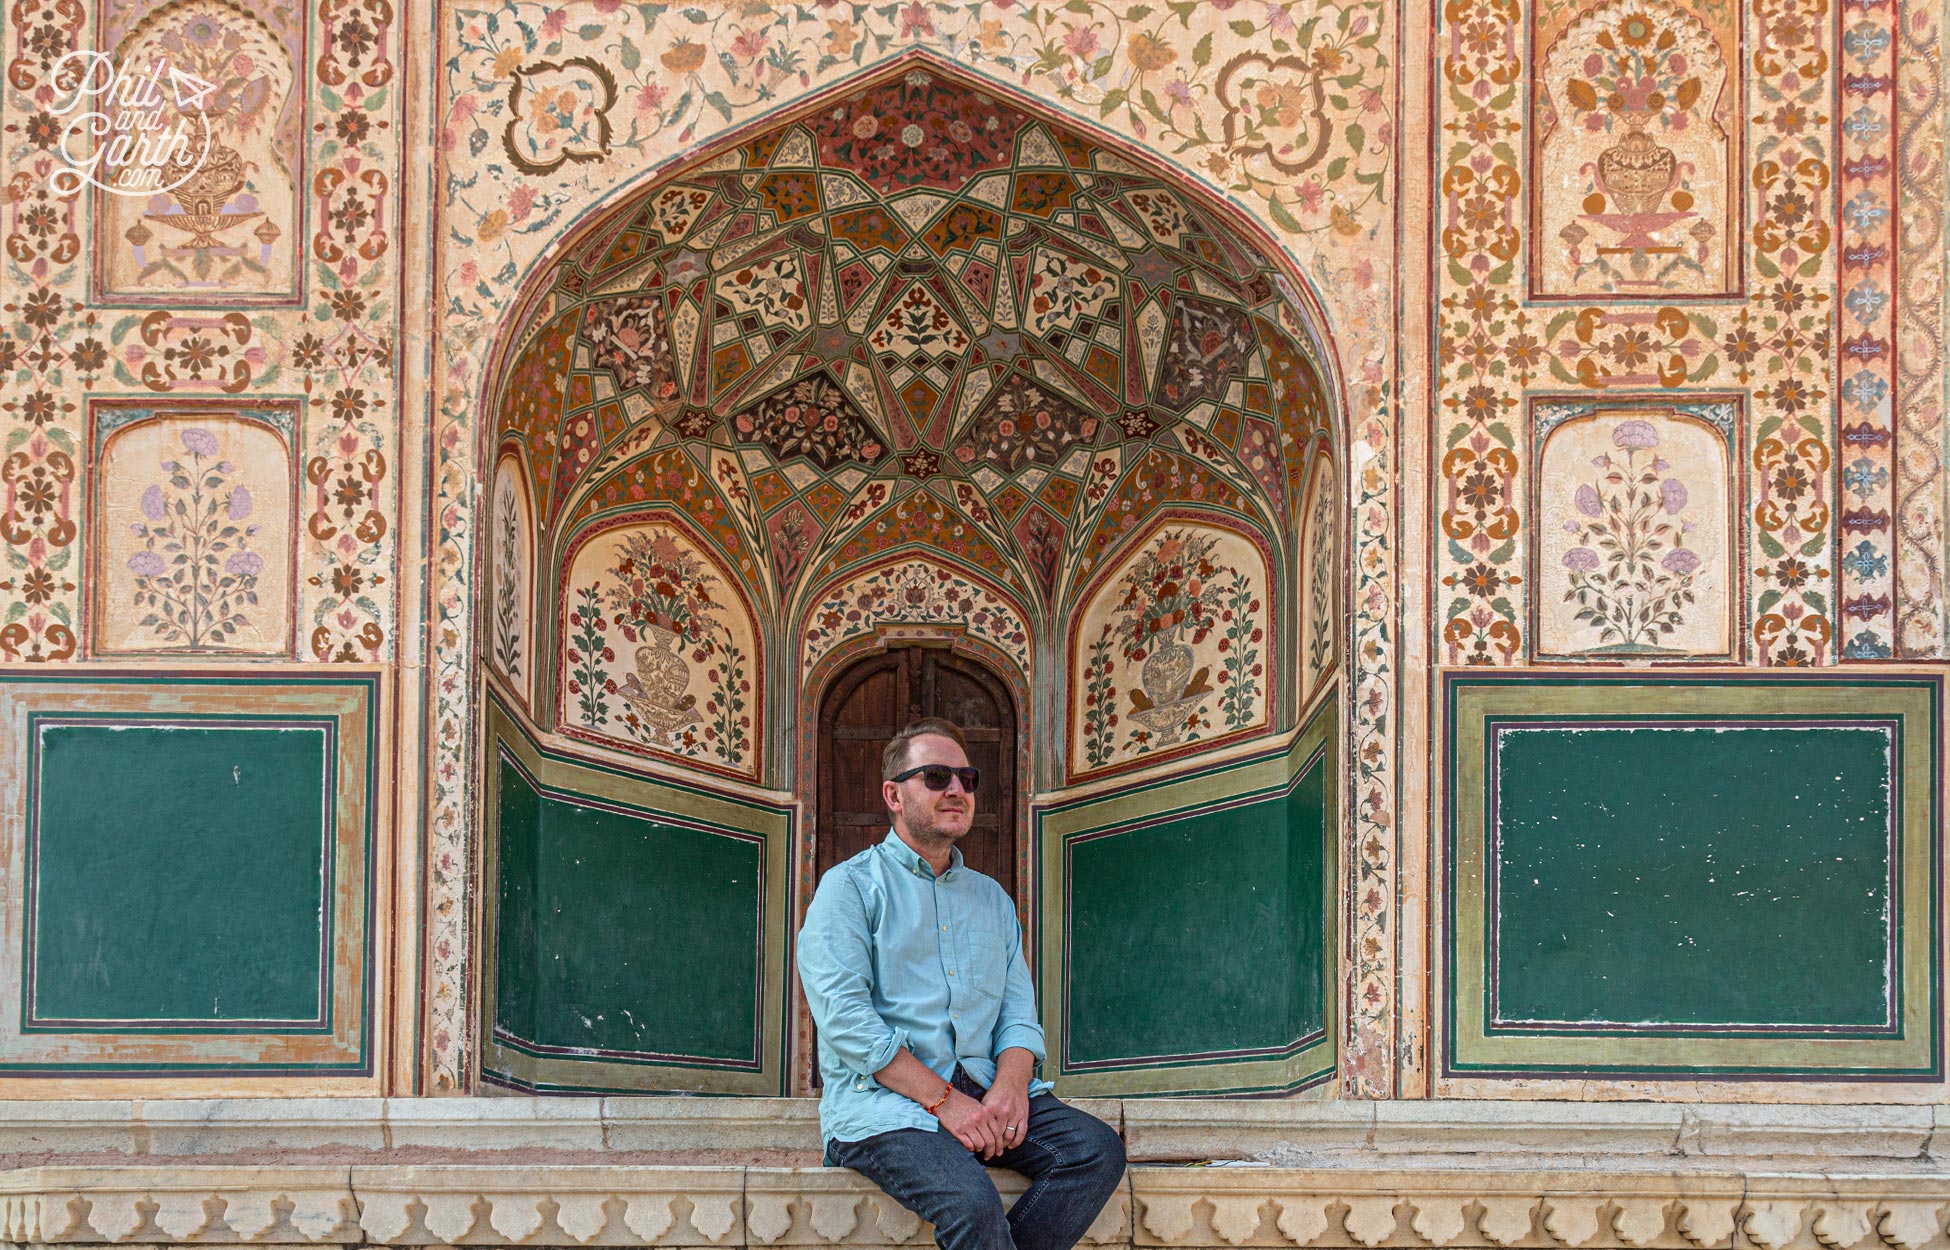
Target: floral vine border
(768, 54)
(1923, 266)
(1866, 346)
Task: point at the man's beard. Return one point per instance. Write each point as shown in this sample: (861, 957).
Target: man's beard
(930, 829)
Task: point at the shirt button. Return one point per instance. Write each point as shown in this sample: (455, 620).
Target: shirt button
(951, 972)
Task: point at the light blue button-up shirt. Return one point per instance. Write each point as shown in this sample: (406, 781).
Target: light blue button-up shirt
(892, 955)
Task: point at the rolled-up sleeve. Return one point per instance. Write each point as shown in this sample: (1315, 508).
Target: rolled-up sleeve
(1016, 1023)
(835, 967)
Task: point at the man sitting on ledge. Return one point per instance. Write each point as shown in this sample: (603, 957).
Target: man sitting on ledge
(912, 965)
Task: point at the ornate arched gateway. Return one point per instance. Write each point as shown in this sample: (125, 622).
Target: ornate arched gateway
(914, 365)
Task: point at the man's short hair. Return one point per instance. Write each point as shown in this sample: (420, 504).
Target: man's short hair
(893, 760)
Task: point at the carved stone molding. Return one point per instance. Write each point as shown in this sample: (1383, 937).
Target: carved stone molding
(1196, 1208)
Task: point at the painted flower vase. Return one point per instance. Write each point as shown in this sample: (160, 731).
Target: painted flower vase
(1636, 172)
(662, 671)
(1165, 672)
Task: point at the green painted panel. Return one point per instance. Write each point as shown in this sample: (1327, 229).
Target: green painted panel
(1204, 935)
(643, 936)
(520, 820)
(178, 873)
(1692, 875)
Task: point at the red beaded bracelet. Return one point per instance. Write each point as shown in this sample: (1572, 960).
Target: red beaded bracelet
(945, 1090)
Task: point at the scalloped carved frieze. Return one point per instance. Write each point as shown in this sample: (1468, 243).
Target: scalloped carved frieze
(1197, 1209)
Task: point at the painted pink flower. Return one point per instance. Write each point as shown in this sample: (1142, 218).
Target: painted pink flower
(200, 442)
(240, 503)
(1581, 559)
(1672, 493)
(146, 564)
(1680, 561)
(1636, 435)
(152, 503)
(1588, 502)
(244, 564)
(1081, 41)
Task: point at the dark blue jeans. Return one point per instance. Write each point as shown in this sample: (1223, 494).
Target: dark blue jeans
(1073, 1160)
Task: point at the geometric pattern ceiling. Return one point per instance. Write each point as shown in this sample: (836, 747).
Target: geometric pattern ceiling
(922, 287)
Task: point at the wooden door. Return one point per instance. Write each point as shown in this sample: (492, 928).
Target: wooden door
(874, 700)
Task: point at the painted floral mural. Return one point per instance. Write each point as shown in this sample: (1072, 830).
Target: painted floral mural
(1172, 650)
(659, 653)
(196, 534)
(230, 223)
(1320, 555)
(510, 625)
(1636, 561)
(1636, 147)
(1632, 573)
(196, 574)
(914, 592)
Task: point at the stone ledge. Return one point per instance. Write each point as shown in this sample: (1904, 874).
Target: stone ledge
(777, 1130)
(1183, 1208)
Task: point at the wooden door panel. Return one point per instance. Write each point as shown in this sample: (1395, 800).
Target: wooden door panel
(853, 731)
(870, 703)
(975, 701)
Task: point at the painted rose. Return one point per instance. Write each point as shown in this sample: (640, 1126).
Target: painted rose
(240, 503)
(200, 442)
(244, 564)
(1581, 559)
(1587, 501)
(1680, 561)
(1672, 494)
(1637, 435)
(146, 564)
(152, 503)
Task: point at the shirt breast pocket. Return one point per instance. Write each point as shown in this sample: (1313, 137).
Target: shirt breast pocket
(988, 963)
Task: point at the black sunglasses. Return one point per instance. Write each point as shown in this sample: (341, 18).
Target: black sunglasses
(935, 776)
